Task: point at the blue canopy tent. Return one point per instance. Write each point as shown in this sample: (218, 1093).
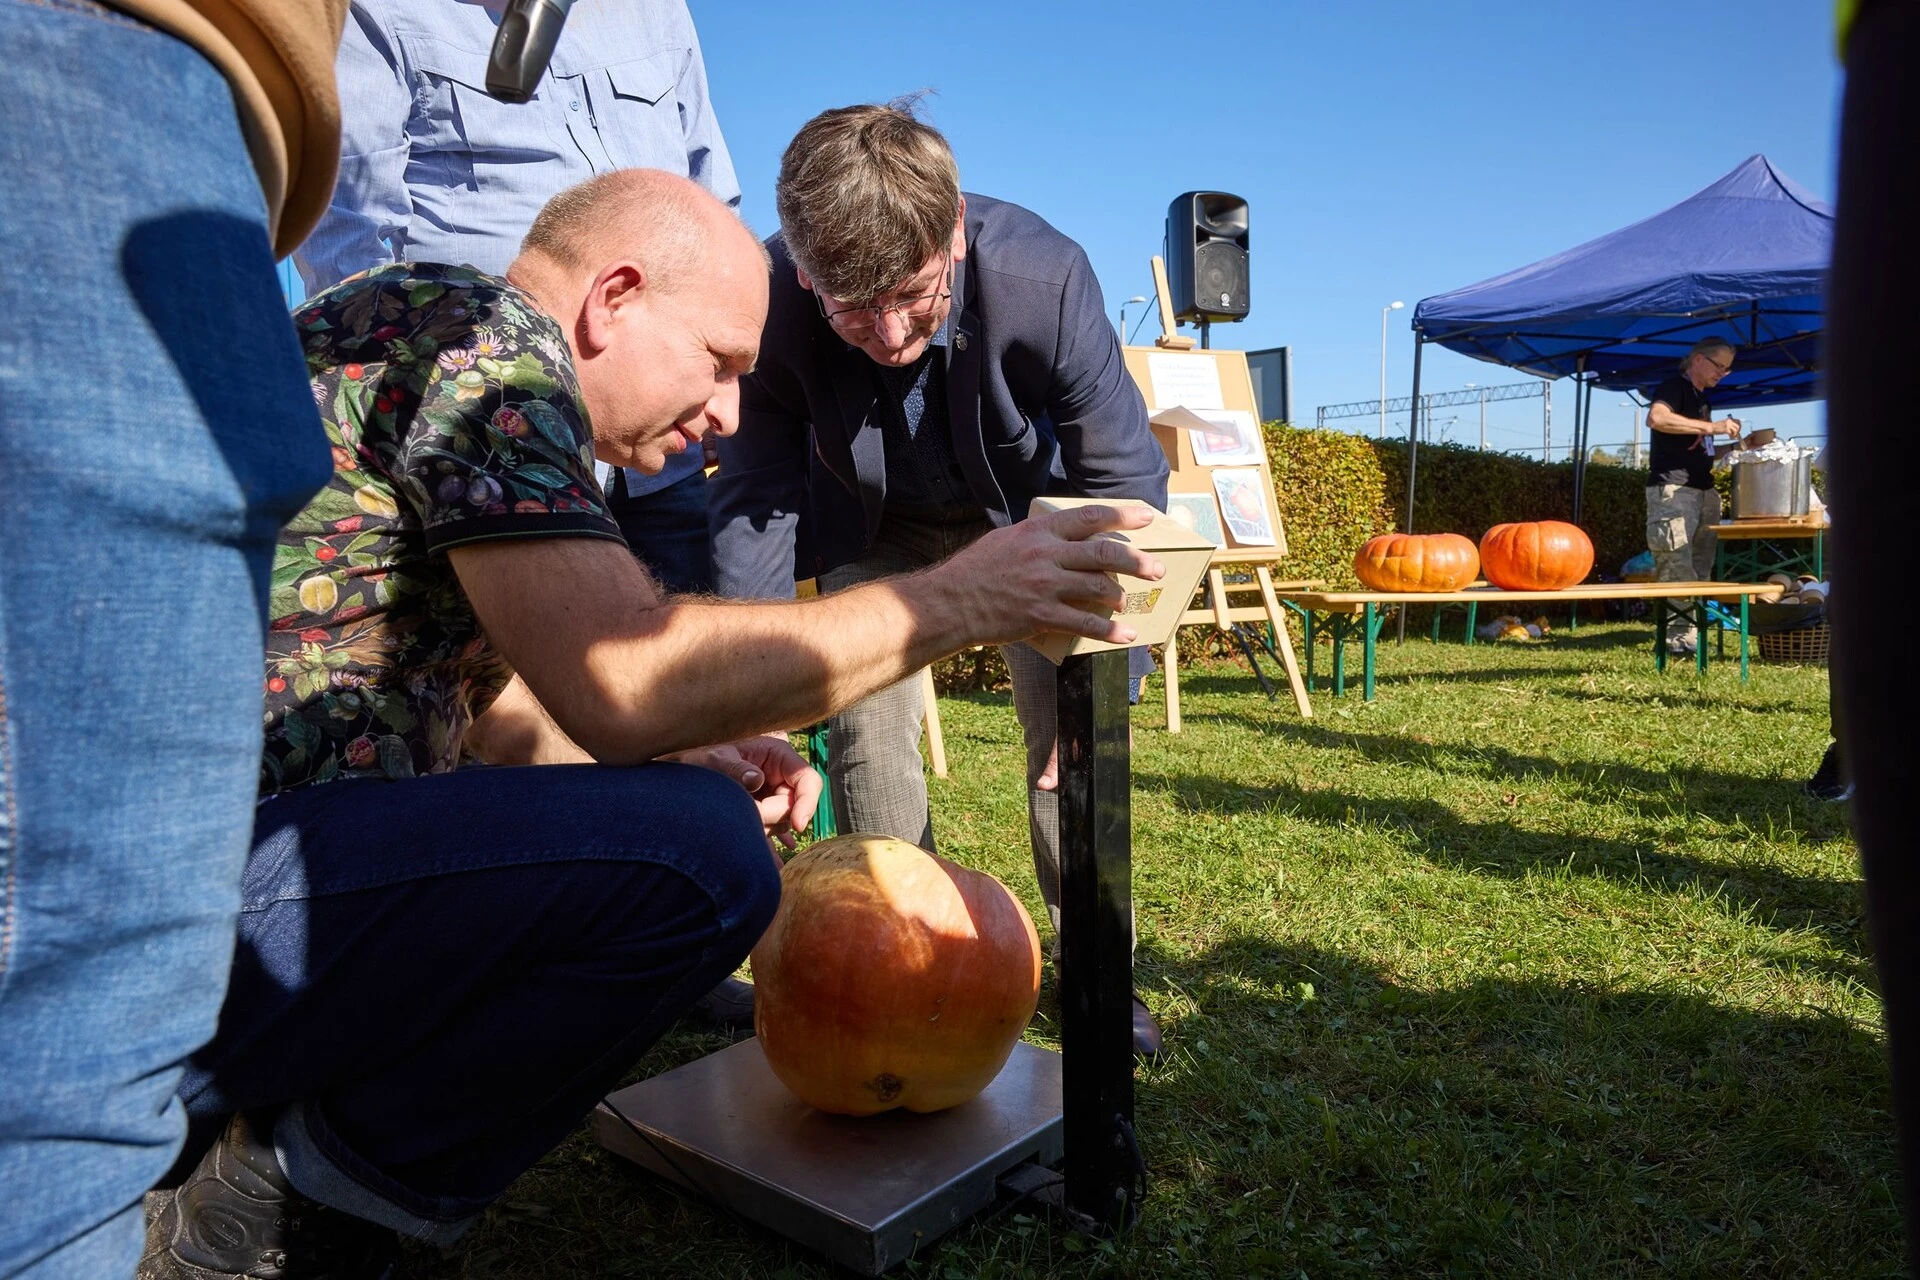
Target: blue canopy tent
(1744, 260)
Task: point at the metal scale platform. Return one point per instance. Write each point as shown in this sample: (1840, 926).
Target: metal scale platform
(871, 1192)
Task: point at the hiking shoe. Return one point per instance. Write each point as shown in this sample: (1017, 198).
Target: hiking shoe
(727, 1008)
(238, 1218)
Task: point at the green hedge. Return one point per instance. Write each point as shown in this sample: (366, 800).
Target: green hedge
(1337, 489)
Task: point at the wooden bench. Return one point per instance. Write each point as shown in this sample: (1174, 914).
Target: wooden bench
(1350, 613)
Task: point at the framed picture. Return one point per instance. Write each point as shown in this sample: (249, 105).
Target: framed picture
(1244, 504)
(1197, 512)
(1231, 438)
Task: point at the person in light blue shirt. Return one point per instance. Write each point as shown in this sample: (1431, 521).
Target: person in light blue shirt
(432, 169)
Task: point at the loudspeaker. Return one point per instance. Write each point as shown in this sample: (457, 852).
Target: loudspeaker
(1207, 256)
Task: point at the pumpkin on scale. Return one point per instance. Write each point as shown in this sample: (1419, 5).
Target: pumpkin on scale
(1417, 562)
(891, 978)
(1536, 555)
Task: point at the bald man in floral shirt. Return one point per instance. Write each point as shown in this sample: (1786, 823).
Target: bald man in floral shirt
(441, 969)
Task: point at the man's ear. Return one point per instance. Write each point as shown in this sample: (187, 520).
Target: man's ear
(619, 285)
(960, 232)
(806, 281)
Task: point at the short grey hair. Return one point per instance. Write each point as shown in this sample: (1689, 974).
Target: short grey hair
(866, 194)
(1706, 345)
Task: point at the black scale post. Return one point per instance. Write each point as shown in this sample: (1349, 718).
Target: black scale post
(1105, 1176)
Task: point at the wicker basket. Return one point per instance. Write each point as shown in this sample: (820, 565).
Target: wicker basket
(1802, 644)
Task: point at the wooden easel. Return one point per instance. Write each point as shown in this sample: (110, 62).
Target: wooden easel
(1188, 476)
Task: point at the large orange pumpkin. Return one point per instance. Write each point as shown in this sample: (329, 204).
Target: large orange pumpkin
(1417, 562)
(1538, 555)
(891, 978)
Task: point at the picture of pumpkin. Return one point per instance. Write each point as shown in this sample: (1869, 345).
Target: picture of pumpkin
(891, 978)
(1537, 555)
(1417, 562)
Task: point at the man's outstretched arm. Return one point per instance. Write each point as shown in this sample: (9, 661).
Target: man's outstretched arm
(631, 675)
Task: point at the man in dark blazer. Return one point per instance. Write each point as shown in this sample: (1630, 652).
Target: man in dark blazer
(931, 363)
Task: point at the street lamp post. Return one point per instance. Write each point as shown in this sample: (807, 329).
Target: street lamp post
(1483, 415)
(1123, 316)
(1391, 306)
(1633, 428)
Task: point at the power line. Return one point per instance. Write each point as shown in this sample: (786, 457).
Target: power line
(1536, 390)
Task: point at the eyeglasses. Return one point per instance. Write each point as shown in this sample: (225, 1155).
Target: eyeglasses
(862, 319)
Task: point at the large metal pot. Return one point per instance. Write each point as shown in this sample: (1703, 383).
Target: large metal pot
(1770, 487)
(1803, 483)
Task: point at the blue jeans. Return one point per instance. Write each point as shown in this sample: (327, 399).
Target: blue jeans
(156, 429)
(667, 529)
(437, 978)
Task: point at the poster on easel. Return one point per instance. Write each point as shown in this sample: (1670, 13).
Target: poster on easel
(1201, 405)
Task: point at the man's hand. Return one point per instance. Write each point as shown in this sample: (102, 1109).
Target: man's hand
(1730, 428)
(784, 787)
(1050, 573)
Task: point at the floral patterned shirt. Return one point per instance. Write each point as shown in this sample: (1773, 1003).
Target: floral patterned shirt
(451, 405)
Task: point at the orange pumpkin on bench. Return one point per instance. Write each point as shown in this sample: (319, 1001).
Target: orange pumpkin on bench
(1536, 555)
(1417, 562)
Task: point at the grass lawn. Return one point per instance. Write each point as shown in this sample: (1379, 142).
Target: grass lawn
(1542, 964)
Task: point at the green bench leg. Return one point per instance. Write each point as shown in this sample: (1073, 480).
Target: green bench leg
(1743, 638)
(1473, 622)
(1339, 622)
(1366, 651)
(1660, 634)
(1308, 615)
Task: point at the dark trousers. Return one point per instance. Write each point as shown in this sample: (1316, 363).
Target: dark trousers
(437, 978)
(667, 530)
(1870, 343)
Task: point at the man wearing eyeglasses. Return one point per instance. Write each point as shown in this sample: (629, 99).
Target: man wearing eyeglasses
(932, 361)
(1682, 504)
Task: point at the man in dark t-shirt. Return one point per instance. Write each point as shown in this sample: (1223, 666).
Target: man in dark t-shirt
(1682, 504)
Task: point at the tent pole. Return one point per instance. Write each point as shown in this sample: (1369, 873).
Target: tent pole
(1413, 460)
(1581, 404)
(1586, 448)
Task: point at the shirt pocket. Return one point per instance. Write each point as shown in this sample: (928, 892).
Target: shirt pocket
(458, 133)
(637, 110)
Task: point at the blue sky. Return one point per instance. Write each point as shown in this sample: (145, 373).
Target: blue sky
(1387, 150)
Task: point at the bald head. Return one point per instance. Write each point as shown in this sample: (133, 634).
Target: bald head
(661, 291)
(669, 225)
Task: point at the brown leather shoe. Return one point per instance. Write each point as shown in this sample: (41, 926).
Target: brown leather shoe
(1147, 1042)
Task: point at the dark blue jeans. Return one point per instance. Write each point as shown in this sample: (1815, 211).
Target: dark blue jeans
(437, 978)
(667, 529)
